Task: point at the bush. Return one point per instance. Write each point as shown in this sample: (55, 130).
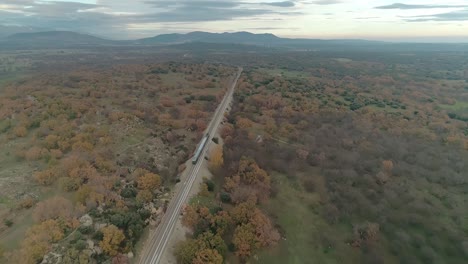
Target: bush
(8, 222)
(98, 235)
(27, 203)
(81, 244)
(210, 184)
(144, 213)
(69, 184)
(128, 192)
(225, 197)
(85, 229)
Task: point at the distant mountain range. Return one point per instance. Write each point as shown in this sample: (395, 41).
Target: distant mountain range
(55, 39)
(58, 39)
(67, 39)
(199, 36)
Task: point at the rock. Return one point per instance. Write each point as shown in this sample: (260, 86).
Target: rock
(90, 243)
(130, 255)
(99, 226)
(86, 220)
(97, 250)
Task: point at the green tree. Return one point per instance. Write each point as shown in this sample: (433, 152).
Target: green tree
(208, 256)
(186, 251)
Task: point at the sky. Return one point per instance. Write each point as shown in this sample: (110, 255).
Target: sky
(405, 20)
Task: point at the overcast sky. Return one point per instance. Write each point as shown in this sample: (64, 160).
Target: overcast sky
(442, 20)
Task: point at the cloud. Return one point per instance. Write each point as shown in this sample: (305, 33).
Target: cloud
(281, 4)
(405, 6)
(365, 18)
(194, 3)
(461, 15)
(113, 18)
(326, 2)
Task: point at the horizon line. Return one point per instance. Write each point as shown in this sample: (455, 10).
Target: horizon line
(390, 39)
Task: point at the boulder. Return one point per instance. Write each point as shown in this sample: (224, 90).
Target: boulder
(90, 243)
(86, 220)
(99, 226)
(97, 250)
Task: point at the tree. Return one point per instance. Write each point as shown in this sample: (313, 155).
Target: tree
(83, 173)
(51, 141)
(36, 153)
(20, 131)
(244, 240)
(73, 256)
(69, 184)
(83, 193)
(207, 256)
(265, 233)
(186, 251)
(54, 208)
(242, 213)
(190, 217)
(149, 181)
(220, 222)
(365, 233)
(251, 173)
(204, 190)
(216, 158)
(46, 177)
(112, 240)
(387, 166)
(231, 183)
(227, 130)
(120, 259)
(144, 196)
(212, 241)
(83, 146)
(38, 241)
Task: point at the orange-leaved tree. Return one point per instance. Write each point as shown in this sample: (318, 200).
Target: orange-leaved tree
(112, 240)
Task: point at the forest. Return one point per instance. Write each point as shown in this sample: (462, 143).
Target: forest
(89, 157)
(360, 158)
(324, 157)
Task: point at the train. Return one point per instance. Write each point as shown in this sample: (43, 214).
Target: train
(200, 148)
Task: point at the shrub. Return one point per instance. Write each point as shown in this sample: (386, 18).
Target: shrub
(46, 177)
(98, 235)
(225, 197)
(20, 131)
(69, 184)
(128, 192)
(27, 203)
(86, 230)
(81, 244)
(210, 184)
(8, 222)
